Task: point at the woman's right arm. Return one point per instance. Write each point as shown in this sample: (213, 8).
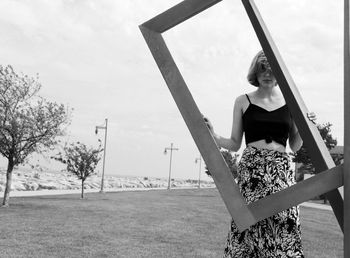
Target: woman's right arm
(234, 142)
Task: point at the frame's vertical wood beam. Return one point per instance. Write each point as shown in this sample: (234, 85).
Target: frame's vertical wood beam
(319, 153)
(346, 129)
(222, 175)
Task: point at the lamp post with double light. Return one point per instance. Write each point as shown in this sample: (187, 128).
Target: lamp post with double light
(171, 155)
(104, 127)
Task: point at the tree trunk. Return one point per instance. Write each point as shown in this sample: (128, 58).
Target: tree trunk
(82, 189)
(10, 167)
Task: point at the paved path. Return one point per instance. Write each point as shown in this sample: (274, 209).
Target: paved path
(78, 191)
(317, 206)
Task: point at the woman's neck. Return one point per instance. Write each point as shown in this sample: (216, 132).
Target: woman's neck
(268, 92)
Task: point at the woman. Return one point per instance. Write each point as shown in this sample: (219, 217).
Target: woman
(264, 167)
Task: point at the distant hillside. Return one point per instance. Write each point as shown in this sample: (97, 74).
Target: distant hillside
(29, 180)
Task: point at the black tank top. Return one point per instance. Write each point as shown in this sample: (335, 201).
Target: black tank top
(259, 123)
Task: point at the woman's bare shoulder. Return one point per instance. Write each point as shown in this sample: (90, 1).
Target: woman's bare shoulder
(242, 100)
(241, 103)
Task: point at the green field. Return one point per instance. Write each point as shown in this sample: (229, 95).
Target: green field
(176, 223)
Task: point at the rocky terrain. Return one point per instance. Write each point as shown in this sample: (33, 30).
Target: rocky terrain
(26, 180)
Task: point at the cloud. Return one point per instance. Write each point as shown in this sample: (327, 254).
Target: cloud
(91, 55)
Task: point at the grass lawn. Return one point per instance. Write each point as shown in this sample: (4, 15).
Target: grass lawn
(177, 223)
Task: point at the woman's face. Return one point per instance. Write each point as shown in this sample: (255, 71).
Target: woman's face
(265, 76)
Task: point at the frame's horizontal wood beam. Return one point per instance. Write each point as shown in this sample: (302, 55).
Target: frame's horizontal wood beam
(177, 14)
(317, 150)
(298, 193)
(222, 175)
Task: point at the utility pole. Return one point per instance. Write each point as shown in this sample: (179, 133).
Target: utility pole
(171, 156)
(104, 152)
(200, 165)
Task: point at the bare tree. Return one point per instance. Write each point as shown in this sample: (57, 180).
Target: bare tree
(81, 160)
(28, 123)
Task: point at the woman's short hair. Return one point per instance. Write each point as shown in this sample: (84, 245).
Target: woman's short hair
(259, 59)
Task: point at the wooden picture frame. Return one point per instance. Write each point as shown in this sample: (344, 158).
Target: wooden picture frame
(329, 177)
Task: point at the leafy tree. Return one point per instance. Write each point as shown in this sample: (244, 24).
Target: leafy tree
(338, 158)
(80, 160)
(28, 123)
(302, 156)
(231, 160)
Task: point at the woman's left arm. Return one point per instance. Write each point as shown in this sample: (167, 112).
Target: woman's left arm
(295, 141)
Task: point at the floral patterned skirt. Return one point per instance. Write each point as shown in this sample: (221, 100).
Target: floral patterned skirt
(262, 172)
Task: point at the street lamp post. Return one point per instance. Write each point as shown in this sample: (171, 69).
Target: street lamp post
(104, 151)
(200, 165)
(171, 155)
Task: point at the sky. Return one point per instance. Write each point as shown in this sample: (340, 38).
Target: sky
(90, 55)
